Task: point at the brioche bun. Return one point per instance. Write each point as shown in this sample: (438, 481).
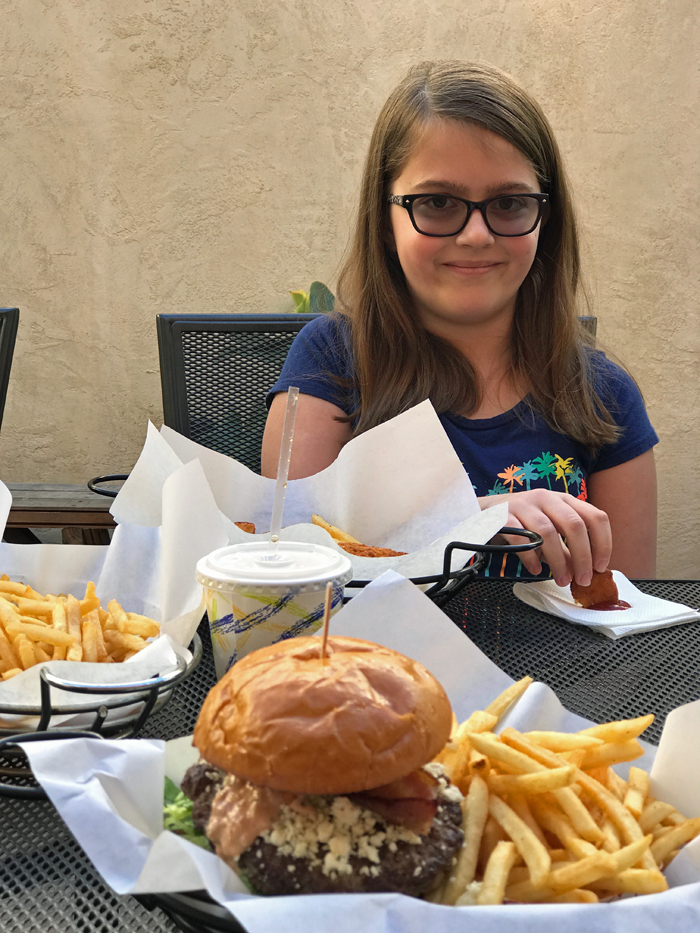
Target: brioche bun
(363, 717)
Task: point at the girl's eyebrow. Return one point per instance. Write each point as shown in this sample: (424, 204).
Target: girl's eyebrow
(434, 185)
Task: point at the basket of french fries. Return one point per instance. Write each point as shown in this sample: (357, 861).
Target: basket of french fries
(98, 645)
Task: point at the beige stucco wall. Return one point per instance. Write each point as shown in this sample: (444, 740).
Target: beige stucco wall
(165, 155)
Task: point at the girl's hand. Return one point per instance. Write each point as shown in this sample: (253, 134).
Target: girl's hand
(557, 515)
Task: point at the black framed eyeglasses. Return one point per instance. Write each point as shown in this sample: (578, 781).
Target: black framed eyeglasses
(448, 215)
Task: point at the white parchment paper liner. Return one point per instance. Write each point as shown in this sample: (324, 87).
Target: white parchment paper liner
(645, 614)
(111, 794)
(149, 570)
(400, 485)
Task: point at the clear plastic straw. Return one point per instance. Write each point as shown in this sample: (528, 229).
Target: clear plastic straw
(283, 465)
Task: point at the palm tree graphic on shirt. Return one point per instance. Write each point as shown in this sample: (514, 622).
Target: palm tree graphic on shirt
(545, 466)
(563, 469)
(577, 477)
(512, 475)
(529, 472)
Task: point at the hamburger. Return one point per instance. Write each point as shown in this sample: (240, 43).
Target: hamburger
(315, 773)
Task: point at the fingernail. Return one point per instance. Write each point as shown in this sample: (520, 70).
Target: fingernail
(585, 579)
(601, 566)
(563, 581)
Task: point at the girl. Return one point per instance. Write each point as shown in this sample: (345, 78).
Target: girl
(461, 286)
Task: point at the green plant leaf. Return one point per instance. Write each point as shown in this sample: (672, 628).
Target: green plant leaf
(301, 301)
(321, 298)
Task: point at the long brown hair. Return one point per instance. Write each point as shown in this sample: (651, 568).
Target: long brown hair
(397, 362)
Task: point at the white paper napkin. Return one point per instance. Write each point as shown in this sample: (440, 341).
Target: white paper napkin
(645, 614)
(113, 791)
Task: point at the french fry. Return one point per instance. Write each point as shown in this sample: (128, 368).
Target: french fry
(621, 731)
(519, 803)
(476, 811)
(612, 753)
(90, 601)
(563, 741)
(539, 782)
(40, 633)
(576, 896)
(574, 757)
(14, 589)
(638, 781)
(60, 623)
(614, 783)
(40, 654)
(655, 812)
(89, 641)
(566, 877)
(673, 818)
(535, 854)
(336, 533)
(479, 721)
(115, 640)
(74, 620)
(496, 874)
(612, 837)
(25, 652)
(632, 881)
(496, 750)
(631, 854)
(554, 821)
(498, 706)
(7, 651)
(662, 847)
(492, 835)
(141, 625)
(36, 606)
(101, 647)
(118, 615)
(11, 673)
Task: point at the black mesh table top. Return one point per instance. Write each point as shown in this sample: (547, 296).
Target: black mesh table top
(47, 883)
(601, 679)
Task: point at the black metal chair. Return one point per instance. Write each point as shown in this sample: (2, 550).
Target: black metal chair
(215, 371)
(9, 319)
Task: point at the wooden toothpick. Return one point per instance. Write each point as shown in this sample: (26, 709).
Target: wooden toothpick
(326, 618)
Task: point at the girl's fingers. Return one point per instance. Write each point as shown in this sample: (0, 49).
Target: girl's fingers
(556, 515)
(530, 559)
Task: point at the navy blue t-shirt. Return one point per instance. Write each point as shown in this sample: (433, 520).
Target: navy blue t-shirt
(514, 451)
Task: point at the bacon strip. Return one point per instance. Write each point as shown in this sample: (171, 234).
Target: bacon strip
(414, 813)
(416, 784)
(239, 813)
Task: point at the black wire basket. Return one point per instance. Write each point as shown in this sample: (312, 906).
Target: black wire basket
(136, 700)
(194, 912)
(444, 586)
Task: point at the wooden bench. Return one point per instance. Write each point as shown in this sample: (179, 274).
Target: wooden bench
(83, 515)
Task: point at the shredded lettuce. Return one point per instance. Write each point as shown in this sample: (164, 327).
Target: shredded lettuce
(177, 815)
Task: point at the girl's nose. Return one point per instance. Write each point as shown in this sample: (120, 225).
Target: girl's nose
(476, 233)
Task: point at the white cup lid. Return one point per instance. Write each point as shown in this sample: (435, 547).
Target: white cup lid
(259, 563)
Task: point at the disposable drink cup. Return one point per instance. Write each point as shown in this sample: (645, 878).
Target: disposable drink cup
(257, 594)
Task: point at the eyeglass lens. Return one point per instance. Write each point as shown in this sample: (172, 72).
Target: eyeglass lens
(511, 215)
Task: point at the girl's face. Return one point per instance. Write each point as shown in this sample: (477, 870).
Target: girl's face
(471, 278)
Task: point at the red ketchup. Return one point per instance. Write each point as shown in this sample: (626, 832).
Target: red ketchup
(610, 607)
